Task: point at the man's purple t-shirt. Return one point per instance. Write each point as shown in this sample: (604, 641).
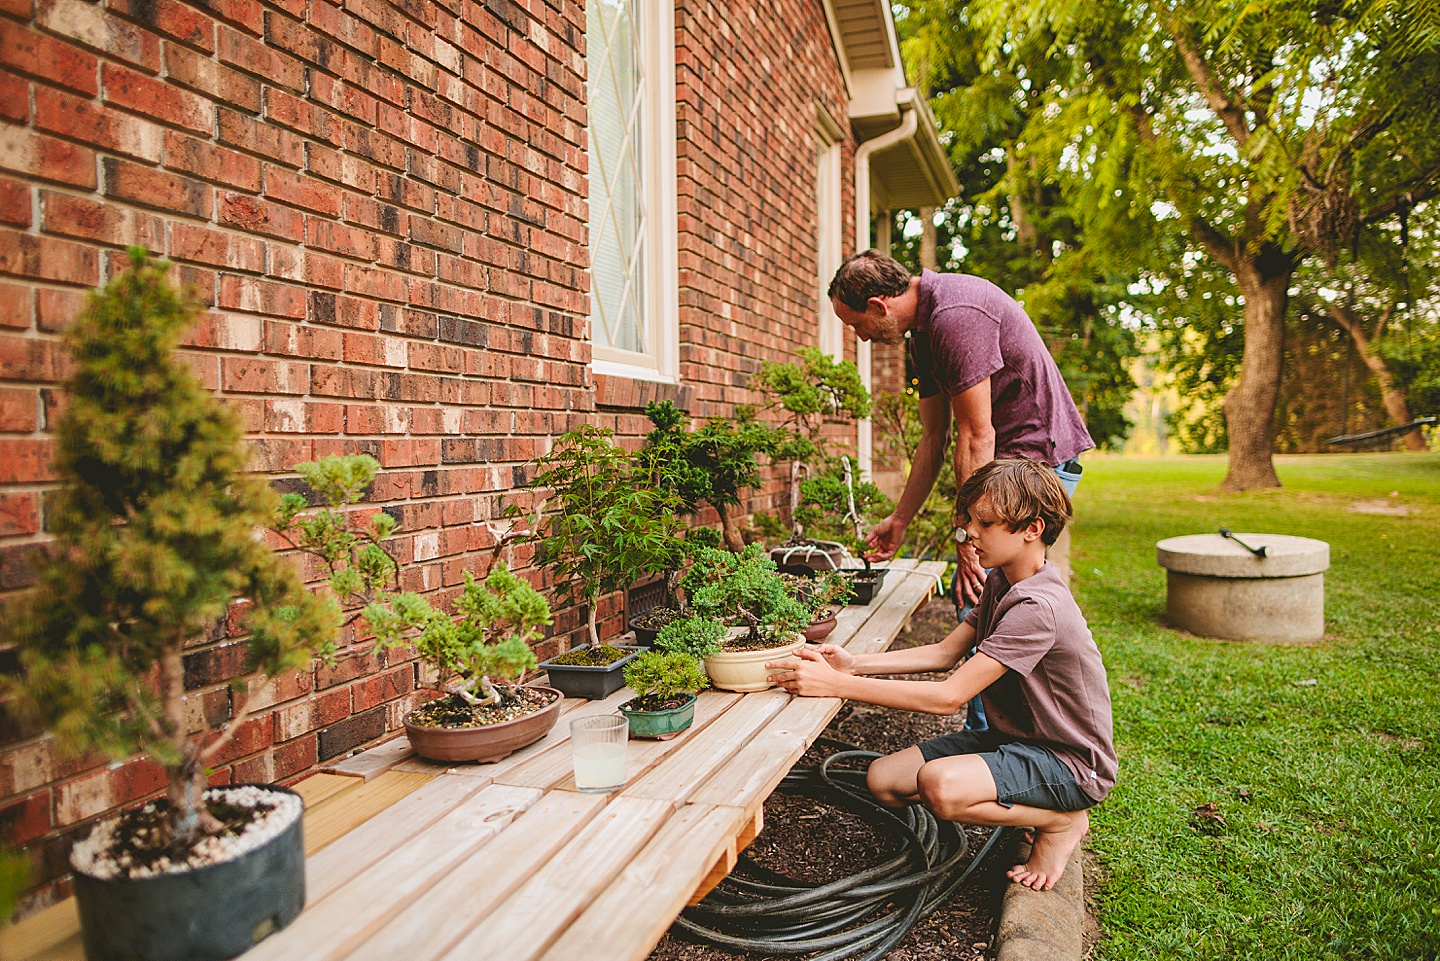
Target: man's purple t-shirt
(1055, 693)
(967, 329)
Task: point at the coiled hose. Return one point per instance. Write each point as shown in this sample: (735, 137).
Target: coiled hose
(862, 916)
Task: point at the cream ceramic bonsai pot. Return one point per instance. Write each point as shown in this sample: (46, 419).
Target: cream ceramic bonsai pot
(745, 671)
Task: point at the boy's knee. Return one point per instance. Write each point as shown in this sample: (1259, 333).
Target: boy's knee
(939, 792)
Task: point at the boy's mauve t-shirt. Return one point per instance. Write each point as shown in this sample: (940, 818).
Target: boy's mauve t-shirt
(1055, 693)
(967, 329)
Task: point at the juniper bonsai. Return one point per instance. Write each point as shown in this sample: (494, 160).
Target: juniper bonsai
(657, 676)
(155, 522)
(695, 635)
(723, 586)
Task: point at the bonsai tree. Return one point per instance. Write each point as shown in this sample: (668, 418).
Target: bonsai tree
(834, 505)
(609, 528)
(154, 523)
(714, 465)
(657, 676)
(487, 651)
(829, 588)
(745, 586)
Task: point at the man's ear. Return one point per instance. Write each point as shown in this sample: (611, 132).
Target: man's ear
(877, 303)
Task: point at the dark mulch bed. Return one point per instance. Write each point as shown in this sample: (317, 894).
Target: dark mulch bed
(812, 841)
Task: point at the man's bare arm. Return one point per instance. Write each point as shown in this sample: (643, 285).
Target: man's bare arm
(887, 535)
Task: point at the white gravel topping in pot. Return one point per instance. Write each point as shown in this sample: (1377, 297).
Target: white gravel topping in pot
(93, 856)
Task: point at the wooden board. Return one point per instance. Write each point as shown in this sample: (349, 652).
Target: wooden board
(333, 817)
(50, 935)
(318, 788)
(365, 902)
(677, 776)
(747, 777)
(374, 761)
(540, 910)
(670, 865)
(881, 629)
(555, 768)
(729, 855)
(350, 855)
(428, 927)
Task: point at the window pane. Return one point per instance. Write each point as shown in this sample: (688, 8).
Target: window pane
(617, 203)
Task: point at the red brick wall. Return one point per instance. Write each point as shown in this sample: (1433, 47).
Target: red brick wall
(382, 205)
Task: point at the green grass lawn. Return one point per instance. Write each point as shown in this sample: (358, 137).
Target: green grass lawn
(1329, 791)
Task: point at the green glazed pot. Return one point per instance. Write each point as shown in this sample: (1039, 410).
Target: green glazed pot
(660, 724)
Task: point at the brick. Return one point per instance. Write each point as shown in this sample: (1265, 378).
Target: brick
(302, 116)
(155, 98)
(19, 413)
(175, 20)
(14, 202)
(209, 162)
(295, 340)
(261, 297)
(136, 780)
(258, 375)
(34, 154)
(255, 215)
(95, 220)
(26, 819)
(90, 25)
(19, 515)
(254, 57)
(339, 239)
(102, 127)
(351, 733)
(290, 188)
(247, 133)
(14, 98)
(246, 14)
(218, 248)
(45, 57)
(208, 76)
(47, 258)
(54, 309)
(156, 188)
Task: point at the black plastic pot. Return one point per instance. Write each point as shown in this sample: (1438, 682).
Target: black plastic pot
(644, 636)
(592, 683)
(207, 914)
(866, 588)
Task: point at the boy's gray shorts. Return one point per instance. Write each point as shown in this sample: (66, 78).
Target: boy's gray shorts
(1024, 773)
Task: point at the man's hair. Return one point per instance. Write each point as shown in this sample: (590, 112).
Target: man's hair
(1021, 491)
(868, 274)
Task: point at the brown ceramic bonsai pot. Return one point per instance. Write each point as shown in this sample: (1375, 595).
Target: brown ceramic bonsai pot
(486, 742)
(820, 629)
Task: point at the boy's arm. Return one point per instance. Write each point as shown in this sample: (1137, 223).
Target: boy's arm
(940, 656)
(813, 676)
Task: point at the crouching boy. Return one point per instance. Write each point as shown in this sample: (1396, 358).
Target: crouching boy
(1049, 752)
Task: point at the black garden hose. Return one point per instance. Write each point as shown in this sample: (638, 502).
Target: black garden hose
(858, 917)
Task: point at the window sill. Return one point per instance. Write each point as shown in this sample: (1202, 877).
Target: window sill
(628, 392)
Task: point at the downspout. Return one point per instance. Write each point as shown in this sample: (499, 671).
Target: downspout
(909, 123)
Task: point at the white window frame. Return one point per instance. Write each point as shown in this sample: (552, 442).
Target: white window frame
(660, 298)
(828, 228)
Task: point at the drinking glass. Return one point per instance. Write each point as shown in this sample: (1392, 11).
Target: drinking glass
(598, 746)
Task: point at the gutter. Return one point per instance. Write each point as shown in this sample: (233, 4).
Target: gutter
(909, 123)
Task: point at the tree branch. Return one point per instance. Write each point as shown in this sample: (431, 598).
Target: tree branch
(1410, 198)
(1231, 113)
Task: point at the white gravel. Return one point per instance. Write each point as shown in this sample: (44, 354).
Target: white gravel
(92, 856)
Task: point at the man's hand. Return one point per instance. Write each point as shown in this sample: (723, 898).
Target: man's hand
(972, 576)
(809, 676)
(886, 538)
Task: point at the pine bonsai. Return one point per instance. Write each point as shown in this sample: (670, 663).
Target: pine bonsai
(657, 677)
(155, 523)
(724, 586)
(697, 636)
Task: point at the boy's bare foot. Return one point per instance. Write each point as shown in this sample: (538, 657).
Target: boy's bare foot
(1050, 853)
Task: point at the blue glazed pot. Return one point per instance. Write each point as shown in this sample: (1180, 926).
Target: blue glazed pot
(660, 724)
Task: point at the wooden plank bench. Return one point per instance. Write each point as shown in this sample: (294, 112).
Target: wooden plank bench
(425, 861)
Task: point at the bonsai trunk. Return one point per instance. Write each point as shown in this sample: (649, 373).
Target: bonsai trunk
(1264, 280)
(590, 620)
(730, 515)
(672, 589)
(190, 820)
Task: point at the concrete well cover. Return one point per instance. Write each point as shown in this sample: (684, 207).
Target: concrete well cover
(1211, 555)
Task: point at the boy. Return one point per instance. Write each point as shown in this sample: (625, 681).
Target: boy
(1049, 754)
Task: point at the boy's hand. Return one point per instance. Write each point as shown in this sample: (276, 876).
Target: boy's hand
(809, 676)
(837, 657)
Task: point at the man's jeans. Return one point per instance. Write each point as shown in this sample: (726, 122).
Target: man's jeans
(975, 710)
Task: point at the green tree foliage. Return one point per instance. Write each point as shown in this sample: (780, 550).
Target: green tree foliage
(1256, 135)
(609, 526)
(931, 532)
(695, 635)
(663, 674)
(154, 523)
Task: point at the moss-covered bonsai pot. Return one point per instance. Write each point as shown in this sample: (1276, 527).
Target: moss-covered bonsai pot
(593, 673)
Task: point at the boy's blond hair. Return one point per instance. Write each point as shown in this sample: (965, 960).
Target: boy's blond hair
(1020, 491)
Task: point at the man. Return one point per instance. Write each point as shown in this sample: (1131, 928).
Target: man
(981, 364)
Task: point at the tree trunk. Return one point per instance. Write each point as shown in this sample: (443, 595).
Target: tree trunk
(590, 620)
(189, 818)
(927, 238)
(730, 525)
(1264, 280)
(1390, 395)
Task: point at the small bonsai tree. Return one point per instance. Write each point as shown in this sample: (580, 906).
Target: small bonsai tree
(608, 528)
(657, 676)
(488, 650)
(154, 523)
(745, 586)
(829, 588)
(835, 505)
